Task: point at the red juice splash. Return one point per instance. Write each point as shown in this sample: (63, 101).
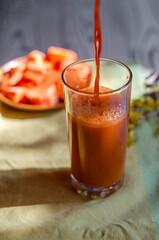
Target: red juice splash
(97, 43)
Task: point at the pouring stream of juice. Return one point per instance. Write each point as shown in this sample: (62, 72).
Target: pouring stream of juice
(97, 130)
(97, 43)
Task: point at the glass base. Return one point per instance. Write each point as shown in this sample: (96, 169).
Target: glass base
(91, 192)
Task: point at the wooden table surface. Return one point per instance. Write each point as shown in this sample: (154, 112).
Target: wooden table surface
(130, 28)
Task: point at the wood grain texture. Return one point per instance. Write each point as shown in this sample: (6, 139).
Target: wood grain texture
(130, 28)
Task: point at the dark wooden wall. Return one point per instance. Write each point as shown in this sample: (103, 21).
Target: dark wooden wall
(130, 28)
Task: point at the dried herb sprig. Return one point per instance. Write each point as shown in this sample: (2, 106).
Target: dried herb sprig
(140, 109)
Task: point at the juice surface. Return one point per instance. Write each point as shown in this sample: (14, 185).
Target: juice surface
(97, 139)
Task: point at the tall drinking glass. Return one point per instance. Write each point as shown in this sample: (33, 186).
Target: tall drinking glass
(97, 124)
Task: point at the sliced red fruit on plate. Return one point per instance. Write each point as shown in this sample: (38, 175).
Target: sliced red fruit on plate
(44, 93)
(65, 63)
(78, 76)
(38, 61)
(41, 96)
(36, 56)
(60, 54)
(20, 67)
(16, 94)
(52, 95)
(11, 81)
(12, 71)
(33, 76)
(4, 81)
(57, 55)
(52, 76)
(26, 83)
(37, 80)
(41, 67)
(16, 76)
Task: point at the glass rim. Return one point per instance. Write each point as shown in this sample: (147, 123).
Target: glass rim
(100, 93)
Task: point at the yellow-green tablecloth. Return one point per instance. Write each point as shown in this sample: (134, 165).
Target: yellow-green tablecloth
(36, 198)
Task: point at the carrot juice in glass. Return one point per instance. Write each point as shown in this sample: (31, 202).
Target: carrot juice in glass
(97, 124)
